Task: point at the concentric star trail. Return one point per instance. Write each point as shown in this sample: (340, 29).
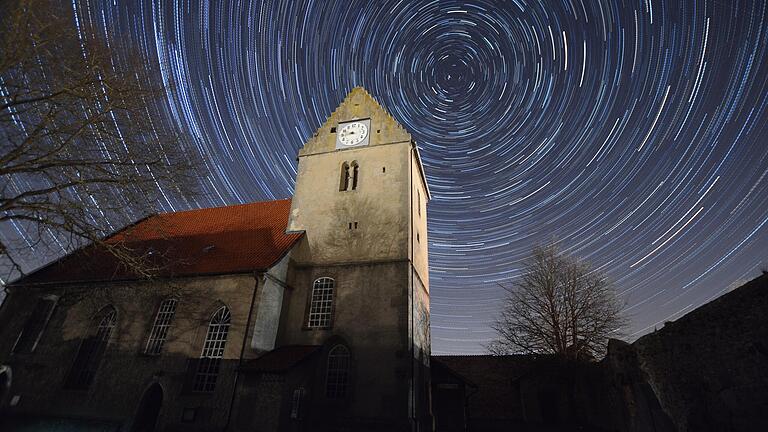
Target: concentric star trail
(634, 133)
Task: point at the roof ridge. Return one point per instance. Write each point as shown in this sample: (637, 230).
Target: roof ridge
(220, 207)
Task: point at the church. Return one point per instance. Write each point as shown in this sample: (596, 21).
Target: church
(310, 313)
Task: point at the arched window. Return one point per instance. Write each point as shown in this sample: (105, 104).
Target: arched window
(344, 184)
(92, 349)
(337, 372)
(355, 172)
(35, 326)
(162, 323)
(321, 303)
(213, 351)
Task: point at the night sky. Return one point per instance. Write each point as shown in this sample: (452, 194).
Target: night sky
(633, 133)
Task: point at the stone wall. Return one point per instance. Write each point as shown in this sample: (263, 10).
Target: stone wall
(709, 368)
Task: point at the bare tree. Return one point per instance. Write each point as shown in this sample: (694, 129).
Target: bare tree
(558, 306)
(84, 149)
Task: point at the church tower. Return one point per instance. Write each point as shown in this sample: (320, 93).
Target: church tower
(359, 279)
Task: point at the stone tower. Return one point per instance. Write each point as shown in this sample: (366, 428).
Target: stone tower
(360, 277)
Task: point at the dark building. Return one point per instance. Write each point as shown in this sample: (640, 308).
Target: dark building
(707, 371)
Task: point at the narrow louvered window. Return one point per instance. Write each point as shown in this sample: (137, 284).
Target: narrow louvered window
(213, 351)
(92, 349)
(321, 305)
(355, 171)
(162, 324)
(337, 374)
(344, 183)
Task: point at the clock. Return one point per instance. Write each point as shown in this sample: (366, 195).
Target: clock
(352, 134)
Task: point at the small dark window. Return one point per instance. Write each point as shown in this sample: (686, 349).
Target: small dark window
(296, 398)
(378, 130)
(418, 201)
(383, 169)
(188, 415)
(417, 238)
(333, 129)
(355, 225)
(33, 329)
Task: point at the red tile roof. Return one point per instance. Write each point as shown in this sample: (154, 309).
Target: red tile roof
(221, 240)
(281, 359)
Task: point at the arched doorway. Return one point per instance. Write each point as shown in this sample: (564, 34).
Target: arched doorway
(149, 409)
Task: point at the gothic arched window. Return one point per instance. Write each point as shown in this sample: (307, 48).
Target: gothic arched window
(92, 349)
(337, 372)
(35, 325)
(355, 171)
(344, 184)
(321, 303)
(159, 332)
(213, 351)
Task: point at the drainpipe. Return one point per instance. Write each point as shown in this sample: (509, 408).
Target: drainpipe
(466, 405)
(242, 352)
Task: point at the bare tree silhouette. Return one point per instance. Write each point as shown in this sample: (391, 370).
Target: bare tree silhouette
(81, 139)
(559, 306)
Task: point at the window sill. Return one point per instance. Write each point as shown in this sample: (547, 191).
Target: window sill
(307, 328)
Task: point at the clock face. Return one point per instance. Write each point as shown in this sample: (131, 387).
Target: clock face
(353, 133)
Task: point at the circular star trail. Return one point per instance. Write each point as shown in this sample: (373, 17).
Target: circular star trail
(632, 133)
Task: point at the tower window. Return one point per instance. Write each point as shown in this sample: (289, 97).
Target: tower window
(355, 172)
(344, 184)
(349, 176)
(159, 332)
(33, 329)
(213, 351)
(321, 304)
(92, 349)
(418, 201)
(337, 373)
(333, 129)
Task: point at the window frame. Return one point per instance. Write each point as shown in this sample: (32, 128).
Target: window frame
(208, 366)
(158, 333)
(85, 366)
(341, 374)
(325, 325)
(345, 177)
(16, 349)
(355, 174)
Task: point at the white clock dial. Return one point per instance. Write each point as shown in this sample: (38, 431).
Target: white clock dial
(353, 133)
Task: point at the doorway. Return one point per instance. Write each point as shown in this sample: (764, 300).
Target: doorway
(149, 409)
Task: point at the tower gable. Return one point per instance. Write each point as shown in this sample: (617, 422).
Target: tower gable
(358, 105)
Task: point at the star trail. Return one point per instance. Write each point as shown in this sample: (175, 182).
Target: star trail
(633, 133)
